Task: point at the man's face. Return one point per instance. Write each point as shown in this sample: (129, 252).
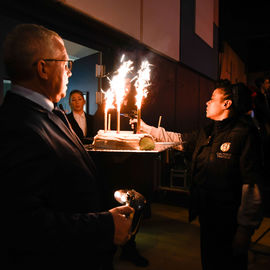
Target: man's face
(216, 106)
(58, 72)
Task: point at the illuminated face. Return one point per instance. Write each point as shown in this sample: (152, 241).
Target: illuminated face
(77, 102)
(58, 72)
(216, 107)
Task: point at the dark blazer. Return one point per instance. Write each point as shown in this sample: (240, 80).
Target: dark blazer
(50, 187)
(90, 132)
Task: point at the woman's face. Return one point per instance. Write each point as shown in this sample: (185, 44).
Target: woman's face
(77, 102)
(217, 106)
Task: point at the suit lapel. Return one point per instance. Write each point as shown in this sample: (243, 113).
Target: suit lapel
(76, 126)
(69, 133)
(25, 104)
(61, 125)
(74, 139)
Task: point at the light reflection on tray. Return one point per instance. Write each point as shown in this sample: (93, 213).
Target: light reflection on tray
(159, 147)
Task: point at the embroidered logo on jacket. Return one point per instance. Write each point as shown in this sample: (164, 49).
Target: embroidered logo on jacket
(224, 155)
(225, 147)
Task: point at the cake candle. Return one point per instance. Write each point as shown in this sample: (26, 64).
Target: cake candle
(105, 120)
(159, 121)
(109, 122)
(109, 98)
(118, 121)
(138, 120)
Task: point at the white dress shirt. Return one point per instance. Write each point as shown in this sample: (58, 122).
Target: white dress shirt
(81, 120)
(36, 97)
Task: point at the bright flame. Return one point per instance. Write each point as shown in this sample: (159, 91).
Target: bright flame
(117, 194)
(109, 99)
(142, 82)
(118, 82)
(120, 196)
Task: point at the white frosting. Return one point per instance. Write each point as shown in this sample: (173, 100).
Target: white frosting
(122, 140)
(122, 136)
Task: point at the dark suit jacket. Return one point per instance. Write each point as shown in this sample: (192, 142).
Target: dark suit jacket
(50, 188)
(90, 132)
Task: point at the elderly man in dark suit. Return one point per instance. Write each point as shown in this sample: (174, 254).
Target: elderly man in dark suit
(52, 193)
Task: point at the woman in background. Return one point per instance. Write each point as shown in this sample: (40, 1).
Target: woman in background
(81, 122)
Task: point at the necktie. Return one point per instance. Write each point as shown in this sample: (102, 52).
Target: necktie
(62, 116)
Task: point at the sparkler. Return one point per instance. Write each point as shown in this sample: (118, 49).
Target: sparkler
(141, 84)
(118, 85)
(109, 98)
(118, 89)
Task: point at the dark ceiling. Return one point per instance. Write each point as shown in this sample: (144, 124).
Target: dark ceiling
(246, 27)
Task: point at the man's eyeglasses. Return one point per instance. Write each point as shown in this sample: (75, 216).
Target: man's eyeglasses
(69, 63)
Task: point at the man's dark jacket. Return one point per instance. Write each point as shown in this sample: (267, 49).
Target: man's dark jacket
(50, 187)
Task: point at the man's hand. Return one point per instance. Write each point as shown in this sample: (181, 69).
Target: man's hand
(122, 223)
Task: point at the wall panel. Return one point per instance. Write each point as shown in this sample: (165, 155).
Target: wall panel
(161, 97)
(161, 26)
(206, 88)
(194, 51)
(123, 15)
(187, 100)
(204, 18)
(156, 23)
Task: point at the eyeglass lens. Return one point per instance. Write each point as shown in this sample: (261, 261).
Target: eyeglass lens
(69, 64)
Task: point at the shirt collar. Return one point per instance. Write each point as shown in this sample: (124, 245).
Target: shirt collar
(33, 96)
(79, 114)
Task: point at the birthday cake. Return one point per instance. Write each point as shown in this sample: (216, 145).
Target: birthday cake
(124, 140)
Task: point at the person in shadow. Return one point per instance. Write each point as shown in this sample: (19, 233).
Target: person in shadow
(262, 117)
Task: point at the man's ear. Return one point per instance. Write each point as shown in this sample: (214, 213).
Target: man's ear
(227, 103)
(42, 69)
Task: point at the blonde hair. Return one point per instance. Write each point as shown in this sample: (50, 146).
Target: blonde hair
(24, 46)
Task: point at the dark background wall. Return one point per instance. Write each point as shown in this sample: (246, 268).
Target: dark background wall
(194, 52)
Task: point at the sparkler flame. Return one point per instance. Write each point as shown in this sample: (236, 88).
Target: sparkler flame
(118, 82)
(118, 85)
(142, 82)
(118, 88)
(109, 99)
